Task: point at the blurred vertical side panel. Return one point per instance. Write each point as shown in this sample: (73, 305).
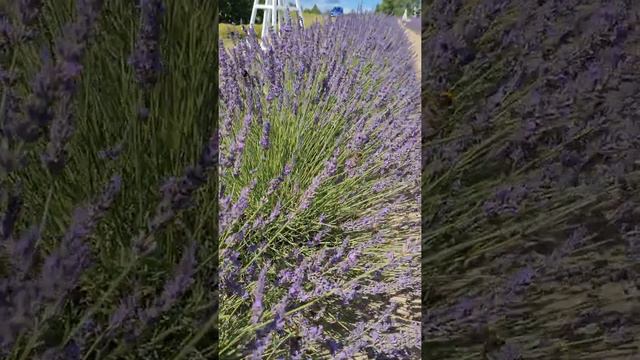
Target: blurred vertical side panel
(108, 179)
(530, 178)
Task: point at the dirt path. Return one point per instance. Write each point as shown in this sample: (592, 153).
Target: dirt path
(415, 40)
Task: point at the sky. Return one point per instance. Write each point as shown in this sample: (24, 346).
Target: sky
(347, 5)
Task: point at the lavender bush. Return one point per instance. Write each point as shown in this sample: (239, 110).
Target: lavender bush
(84, 119)
(530, 148)
(319, 193)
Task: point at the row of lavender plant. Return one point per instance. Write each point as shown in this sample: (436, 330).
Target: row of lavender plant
(319, 193)
(41, 284)
(531, 140)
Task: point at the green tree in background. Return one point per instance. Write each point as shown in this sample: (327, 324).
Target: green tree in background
(235, 11)
(397, 7)
(313, 10)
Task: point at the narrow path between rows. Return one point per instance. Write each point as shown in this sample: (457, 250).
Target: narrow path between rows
(416, 49)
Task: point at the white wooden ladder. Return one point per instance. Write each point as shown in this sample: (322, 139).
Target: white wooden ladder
(276, 13)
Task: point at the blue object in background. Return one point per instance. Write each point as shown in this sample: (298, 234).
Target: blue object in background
(336, 11)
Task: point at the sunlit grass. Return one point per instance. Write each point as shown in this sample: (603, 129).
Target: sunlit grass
(227, 31)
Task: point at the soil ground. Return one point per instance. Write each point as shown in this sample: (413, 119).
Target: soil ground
(415, 40)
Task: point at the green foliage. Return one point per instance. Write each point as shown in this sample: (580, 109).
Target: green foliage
(235, 11)
(227, 32)
(313, 10)
(397, 7)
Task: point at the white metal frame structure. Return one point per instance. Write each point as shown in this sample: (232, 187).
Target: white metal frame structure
(276, 13)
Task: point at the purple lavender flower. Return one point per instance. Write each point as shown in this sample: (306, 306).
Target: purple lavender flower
(275, 212)
(175, 287)
(258, 295)
(145, 59)
(56, 81)
(318, 237)
(177, 193)
(274, 184)
(238, 208)
(23, 297)
(63, 267)
(328, 171)
(112, 153)
(264, 141)
(125, 310)
(280, 312)
(260, 345)
(229, 274)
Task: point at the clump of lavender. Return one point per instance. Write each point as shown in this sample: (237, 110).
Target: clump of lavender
(529, 188)
(312, 124)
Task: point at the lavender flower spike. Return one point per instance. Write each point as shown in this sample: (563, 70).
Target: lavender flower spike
(177, 192)
(258, 294)
(60, 271)
(264, 141)
(176, 286)
(145, 59)
(57, 83)
(63, 267)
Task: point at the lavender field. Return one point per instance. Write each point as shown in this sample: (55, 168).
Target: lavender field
(531, 141)
(319, 194)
